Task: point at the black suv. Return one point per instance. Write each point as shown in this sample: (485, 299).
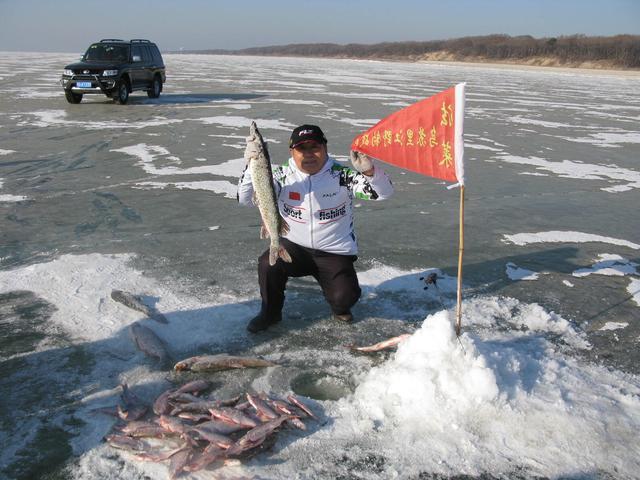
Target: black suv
(115, 68)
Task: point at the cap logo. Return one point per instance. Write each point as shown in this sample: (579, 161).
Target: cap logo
(305, 132)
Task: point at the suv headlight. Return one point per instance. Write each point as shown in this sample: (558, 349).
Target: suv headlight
(110, 73)
(67, 72)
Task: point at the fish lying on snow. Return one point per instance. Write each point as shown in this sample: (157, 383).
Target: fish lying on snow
(178, 461)
(273, 225)
(125, 442)
(148, 342)
(376, 347)
(200, 460)
(134, 302)
(256, 436)
(203, 363)
(233, 431)
(232, 415)
(131, 408)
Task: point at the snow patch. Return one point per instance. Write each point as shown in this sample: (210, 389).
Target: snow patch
(228, 189)
(614, 326)
(583, 171)
(609, 264)
(518, 273)
(150, 155)
(11, 198)
(556, 236)
(634, 290)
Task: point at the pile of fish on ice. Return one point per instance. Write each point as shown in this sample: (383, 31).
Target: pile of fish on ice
(193, 431)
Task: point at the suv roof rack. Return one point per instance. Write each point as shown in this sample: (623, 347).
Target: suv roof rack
(112, 40)
(139, 40)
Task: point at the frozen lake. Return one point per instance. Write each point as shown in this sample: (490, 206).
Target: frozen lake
(95, 197)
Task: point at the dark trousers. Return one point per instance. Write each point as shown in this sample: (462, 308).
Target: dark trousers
(334, 273)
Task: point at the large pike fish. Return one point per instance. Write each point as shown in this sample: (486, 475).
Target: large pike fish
(273, 225)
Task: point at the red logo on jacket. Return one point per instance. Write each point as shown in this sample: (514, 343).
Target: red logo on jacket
(294, 196)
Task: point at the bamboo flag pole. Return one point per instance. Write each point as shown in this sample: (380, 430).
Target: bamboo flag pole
(460, 252)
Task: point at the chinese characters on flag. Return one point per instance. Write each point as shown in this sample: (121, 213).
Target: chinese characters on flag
(425, 137)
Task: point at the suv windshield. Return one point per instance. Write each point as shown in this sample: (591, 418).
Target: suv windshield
(105, 52)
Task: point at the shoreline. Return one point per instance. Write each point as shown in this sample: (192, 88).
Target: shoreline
(479, 63)
(631, 73)
(549, 68)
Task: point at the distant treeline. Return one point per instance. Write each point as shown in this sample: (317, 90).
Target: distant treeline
(621, 51)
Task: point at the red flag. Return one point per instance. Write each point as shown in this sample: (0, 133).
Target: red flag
(425, 137)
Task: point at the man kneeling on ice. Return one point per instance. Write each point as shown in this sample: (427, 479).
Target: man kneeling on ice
(315, 197)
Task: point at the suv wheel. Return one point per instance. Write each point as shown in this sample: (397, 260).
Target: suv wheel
(73, 97)
(156, 87)
(122, 92)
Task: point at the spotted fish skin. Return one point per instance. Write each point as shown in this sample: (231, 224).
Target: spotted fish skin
(273, 225)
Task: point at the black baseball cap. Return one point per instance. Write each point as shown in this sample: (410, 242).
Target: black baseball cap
(306, 133)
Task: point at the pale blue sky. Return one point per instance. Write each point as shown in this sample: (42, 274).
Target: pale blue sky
(70, 25)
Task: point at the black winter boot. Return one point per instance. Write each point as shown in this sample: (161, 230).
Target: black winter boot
(261, 322)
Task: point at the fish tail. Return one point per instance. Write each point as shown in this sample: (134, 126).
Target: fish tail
(283, 254)
(278, 251)
(273, 255)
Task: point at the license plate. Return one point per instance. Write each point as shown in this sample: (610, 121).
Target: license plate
(83, 84)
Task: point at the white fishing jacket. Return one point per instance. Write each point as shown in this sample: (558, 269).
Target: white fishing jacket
(319, 207)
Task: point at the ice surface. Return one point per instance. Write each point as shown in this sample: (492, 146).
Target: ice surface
(504, 395)
(49, 118)
(142, 198)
